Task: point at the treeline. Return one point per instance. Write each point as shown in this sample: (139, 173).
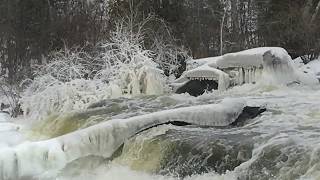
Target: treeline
(31, 29)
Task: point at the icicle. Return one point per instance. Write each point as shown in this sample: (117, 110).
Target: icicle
(254, 78)
(250, 75)
(253, 75)
(224, 82)
(134, 85)
(240, 76)
(246, 75)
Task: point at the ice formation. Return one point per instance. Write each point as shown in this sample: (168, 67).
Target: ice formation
(278, 68)
(46, 95)
(9, 131)
(44, 157)
(265, 64)
(207, 73)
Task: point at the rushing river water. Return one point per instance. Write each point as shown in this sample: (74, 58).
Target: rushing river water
(283, 143)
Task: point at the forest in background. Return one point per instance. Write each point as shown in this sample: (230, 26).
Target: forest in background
(33, 31)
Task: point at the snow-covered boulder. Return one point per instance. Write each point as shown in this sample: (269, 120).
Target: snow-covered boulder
(196, 87)
(204, 78)
(265, 64)
(313, 67)
(280, 69)
(247, 58)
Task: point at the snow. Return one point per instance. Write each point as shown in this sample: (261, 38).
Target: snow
(314, 66)
(104, 139)
(49, 156)
(280, 69)
(208, 73)
(246, 58)
(204, 72)
(310, 69)
(266, 65)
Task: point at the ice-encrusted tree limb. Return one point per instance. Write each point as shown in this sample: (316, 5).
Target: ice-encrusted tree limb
(74, 78)
(11, 94)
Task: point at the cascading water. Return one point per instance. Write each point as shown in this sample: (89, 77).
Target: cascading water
(113, 139)
(281, 144)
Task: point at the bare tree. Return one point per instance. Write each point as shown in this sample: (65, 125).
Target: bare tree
(222, 26)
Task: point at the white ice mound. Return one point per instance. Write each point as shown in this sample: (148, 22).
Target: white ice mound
(246, 58)
(38, 158)
(249, 66)
(314, 67)
(278, 68)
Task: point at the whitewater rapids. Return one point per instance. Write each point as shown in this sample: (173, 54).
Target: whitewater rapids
(284, 143)
(35, 158)
(118, 143)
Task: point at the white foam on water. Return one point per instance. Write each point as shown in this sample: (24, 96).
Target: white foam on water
(36, 158)
(290, 127)
(4, 117)
(117, 172)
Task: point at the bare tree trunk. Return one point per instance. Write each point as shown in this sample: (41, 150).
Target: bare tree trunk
(314, 16)
(221, 31)
(306, 11)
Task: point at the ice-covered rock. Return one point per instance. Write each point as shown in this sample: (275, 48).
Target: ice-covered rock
(278, 68)
(265, 64)
(38, 158)
(197, 87)
(247, 58)
(314, 67)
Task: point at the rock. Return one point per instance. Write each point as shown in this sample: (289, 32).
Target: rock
(248, 113)
(4, 106)
(197, 87)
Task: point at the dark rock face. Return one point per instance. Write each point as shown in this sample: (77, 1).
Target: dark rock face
(248, 113)
(197, 87)
(4, 106)
(4, 112)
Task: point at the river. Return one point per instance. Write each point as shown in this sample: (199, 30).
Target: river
(283, 143)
